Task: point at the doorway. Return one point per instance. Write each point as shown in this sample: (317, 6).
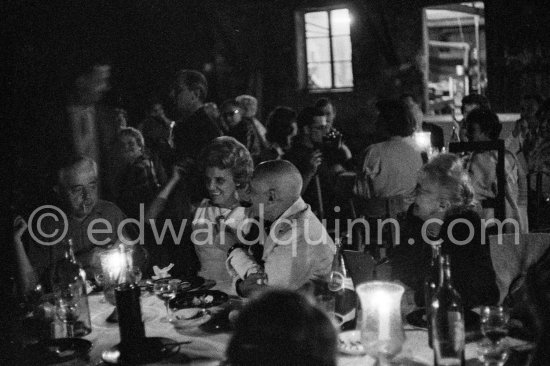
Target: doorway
(456, 59)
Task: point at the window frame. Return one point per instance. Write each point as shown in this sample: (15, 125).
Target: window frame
(301, 48)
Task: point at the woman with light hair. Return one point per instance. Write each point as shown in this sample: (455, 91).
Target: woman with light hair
(140, 178)
(445, 213)
(249, 105)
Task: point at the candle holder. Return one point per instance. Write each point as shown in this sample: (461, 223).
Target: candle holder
(381, 326)
(134, 347)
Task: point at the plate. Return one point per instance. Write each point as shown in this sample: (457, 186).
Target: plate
(417, 318)
(349, 343)
(187, 284)
(194, 299)
(53, 351)
(189, 318)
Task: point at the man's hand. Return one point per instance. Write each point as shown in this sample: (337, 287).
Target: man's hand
(315, 160)
(19, 228)
(252, 283)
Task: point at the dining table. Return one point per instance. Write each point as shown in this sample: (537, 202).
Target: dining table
(198, 347)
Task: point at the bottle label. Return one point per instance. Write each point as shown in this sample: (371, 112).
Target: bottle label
(458, 335)
(348, 284)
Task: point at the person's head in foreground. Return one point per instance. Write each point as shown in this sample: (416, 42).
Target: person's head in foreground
(282, 328)
(227, 167)
(443, 187)
(275, 186)
(77, 186)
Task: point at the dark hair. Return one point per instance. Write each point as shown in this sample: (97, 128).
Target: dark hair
(487, 120)
(227, 153)
(323, 102)
(231, 102)
(282, 328)
(536, 97)
(396, 116)
(194, 80)
(279, 124)
(480, 100)
(306, 115)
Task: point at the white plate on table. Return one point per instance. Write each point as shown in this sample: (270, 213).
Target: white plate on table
(349, 343)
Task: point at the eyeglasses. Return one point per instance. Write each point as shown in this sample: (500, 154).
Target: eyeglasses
(231, 114)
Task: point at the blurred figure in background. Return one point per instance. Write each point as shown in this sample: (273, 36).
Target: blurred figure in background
(281, 129)
(139, 180)
(469, 103)
(241, 127)
(484, 125)
(249, 105)
(157, 130)
(389, 168)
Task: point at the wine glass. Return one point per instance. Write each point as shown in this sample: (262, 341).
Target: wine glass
(494, 323)
(100, 281)
(494, 326)
(165, 290)
(67, 310)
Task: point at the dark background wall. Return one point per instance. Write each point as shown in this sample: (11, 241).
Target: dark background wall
(249, 46)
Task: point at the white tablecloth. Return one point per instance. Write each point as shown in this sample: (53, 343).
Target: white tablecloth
(209, 349)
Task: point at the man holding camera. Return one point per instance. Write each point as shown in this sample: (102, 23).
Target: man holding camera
(320, 158)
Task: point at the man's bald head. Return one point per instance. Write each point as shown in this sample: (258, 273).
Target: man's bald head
(281, 176)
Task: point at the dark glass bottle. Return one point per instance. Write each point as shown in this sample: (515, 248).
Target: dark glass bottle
(127, 295)
(70, 276)
(447, 320)
(431, 282)
(341, 285)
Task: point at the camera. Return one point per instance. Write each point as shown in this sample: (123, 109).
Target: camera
(332, 139)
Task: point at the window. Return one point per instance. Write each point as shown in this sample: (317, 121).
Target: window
(327, 45)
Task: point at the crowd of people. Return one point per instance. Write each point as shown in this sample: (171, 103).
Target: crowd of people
(222, 170)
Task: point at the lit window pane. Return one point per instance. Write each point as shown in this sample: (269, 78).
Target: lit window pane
(317, 24)
(340, 21)
(318, 50)
(319, 76)
(343, 76)
(341, 48)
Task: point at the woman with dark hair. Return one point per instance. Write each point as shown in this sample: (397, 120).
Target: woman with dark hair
(389, 168)
(483, 125)
(282, 328)
(281, 128)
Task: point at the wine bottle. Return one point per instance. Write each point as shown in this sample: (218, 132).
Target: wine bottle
(447, 320)
(431, 282)
(341, 284)
(70, 276)
(127, 295)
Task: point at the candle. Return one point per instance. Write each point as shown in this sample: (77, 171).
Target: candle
(382, 302)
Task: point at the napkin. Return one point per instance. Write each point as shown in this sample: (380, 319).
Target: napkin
(162, 272)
